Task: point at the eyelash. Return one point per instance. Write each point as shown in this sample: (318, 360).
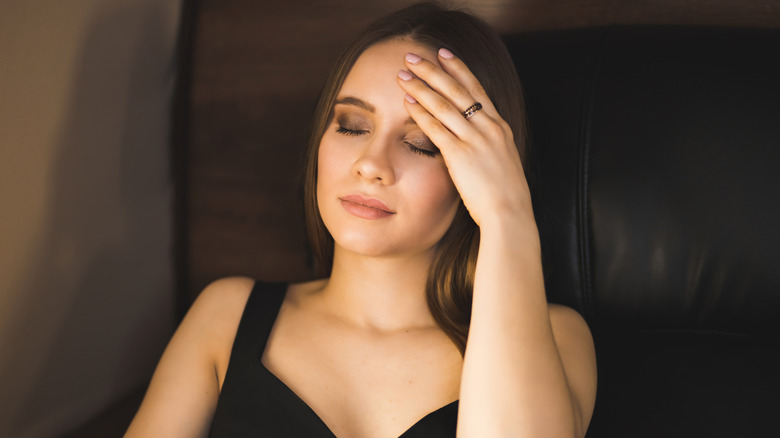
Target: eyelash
(350, 132)
(345, 131)
(418, 151)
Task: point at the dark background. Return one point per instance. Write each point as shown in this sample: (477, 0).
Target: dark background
(252, 73)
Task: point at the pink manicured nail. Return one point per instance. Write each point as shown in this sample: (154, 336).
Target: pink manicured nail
(410, 99)
(405, 75)
(446, 54)
(411, 57)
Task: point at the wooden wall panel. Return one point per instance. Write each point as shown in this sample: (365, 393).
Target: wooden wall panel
(256, 70)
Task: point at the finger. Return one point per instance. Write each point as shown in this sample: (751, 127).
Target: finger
(441, 81)
(458, 70)
(432, 127)
(436, 105)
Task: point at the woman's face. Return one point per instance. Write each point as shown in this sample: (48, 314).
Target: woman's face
(382, 187)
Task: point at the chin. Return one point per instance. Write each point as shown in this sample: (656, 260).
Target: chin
(369, 244)
(384, 245)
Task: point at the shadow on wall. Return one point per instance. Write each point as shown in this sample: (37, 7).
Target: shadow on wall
(96, 305)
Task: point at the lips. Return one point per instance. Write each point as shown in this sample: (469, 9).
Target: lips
(366, 208)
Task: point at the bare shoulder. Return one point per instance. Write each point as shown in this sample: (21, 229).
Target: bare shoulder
(573, 338)
(221, 300)
(566, 318)
(221, 304)
(575, 346)
(224, 295)
(184, 389)
(572, 334)
(216, 314)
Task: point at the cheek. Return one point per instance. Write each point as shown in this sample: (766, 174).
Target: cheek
(327, 163)
(439, 196)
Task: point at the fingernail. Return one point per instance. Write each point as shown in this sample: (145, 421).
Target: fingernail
(446, 54)
(405, 75)
(410, 99)
(411, 57)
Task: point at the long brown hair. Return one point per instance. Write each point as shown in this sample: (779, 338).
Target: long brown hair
(451, 274)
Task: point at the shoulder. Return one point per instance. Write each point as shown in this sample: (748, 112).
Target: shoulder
(216, 314)
(572, 336)
(183, 392)
(219, 306)
(575, 347)
(224, 294)
(567, 318)
(571, 332)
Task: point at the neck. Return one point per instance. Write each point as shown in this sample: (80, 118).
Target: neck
(382, 293)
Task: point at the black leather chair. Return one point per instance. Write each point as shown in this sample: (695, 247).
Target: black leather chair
(658, 201)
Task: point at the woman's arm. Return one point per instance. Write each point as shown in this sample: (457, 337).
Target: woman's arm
(529, 368)
(182, 395)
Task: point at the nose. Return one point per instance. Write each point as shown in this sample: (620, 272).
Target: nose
(374, 163)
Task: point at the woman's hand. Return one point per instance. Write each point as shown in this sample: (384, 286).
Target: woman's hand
(529, 368)
(480, 152)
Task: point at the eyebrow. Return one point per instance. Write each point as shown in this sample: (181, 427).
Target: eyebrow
(349, 100)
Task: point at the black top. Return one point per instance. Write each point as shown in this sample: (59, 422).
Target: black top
(254, 402)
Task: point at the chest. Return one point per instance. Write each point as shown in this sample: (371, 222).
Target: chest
(361, 383)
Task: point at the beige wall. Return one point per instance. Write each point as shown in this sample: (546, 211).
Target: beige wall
(86, 299)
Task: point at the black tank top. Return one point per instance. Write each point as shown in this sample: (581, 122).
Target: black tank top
(255, 403)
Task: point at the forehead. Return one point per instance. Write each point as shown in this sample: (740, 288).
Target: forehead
(377, 67)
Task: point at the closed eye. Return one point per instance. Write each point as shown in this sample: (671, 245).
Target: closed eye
(346, 131)
(421, 151)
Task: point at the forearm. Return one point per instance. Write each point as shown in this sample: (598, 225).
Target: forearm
(513, 381)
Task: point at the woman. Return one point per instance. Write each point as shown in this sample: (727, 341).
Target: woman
(416, 200)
